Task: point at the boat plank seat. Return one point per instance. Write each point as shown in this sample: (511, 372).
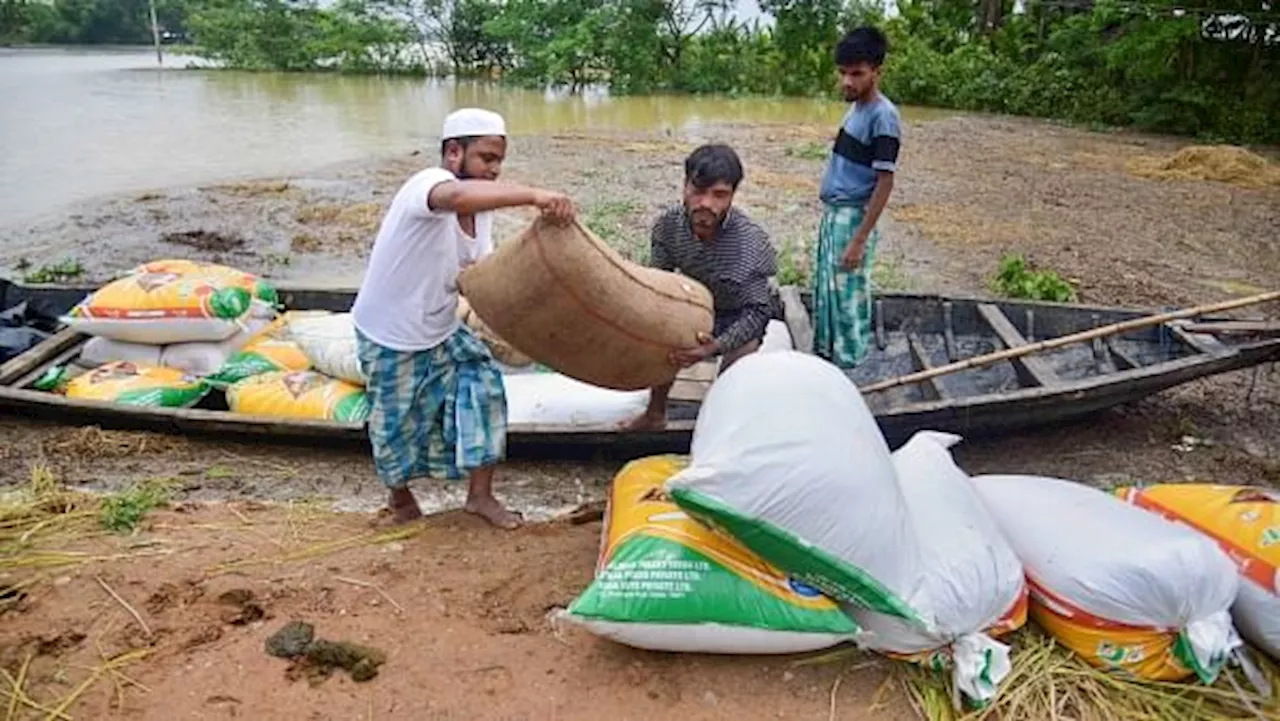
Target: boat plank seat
(692, 383)
(931, 388)
(1031, 371)
(1199, 341)
(797, 318)
(1242, 327)
(1122, 360)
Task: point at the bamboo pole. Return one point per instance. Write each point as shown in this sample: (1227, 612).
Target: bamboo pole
(155, 32)
(1106, 330)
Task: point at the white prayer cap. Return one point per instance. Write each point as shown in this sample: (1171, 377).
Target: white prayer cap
(473, 122)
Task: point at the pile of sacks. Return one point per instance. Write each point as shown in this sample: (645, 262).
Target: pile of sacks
(792, 527)
(170, 332)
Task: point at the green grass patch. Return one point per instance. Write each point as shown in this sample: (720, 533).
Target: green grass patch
(613, 222)
(124, 510)
(1015, 278)
(889, 274)
(60, 272)
(793, 263)
(809, 151)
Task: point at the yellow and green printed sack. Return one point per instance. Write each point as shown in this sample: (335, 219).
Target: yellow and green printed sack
(299, 394)
(131, 384)
(267, 352)
(666, 582)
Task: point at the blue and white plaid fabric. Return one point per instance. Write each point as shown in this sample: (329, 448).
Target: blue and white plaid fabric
(439, 413)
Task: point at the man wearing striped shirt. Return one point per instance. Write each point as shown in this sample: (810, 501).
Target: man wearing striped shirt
(709, 240)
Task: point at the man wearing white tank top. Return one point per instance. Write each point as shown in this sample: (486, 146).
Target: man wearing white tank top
(438, 404)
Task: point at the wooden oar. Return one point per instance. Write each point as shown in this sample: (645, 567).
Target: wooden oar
(1099, 332)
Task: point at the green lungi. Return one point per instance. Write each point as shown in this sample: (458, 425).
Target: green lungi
(842, 299)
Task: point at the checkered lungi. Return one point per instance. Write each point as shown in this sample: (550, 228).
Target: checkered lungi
(439, 413)
(841, 298)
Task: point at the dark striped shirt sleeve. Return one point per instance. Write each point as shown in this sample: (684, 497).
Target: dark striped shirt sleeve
(757, 308)
(660, 255)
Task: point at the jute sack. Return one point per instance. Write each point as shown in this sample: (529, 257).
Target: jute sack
(501, 350)
(561, 296)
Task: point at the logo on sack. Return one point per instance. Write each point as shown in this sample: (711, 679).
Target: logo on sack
(1271, 537)
(151, 281)
(300, 382)
(113, 371)
(802, 589)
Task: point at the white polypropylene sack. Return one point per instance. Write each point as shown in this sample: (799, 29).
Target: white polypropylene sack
(197, 358)
(777, 336)
(1083, 547)
(329, 342)
(99, 351)
(972, 578)
(1257, 615)
(1245, 523)
(555, 399)
(788, 459)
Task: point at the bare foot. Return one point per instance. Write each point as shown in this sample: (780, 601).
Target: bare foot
(403, 507)
(644, 422)
(488, 508)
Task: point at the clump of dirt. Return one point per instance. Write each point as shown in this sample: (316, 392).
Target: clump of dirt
(315, 659)
(1220, 163)
(210, 241)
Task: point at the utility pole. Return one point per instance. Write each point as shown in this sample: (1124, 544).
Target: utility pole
(155, 32)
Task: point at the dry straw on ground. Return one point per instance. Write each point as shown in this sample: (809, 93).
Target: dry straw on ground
(1221, 163)
(94, 443)
(956, 225)
(1050, 682)
(363, 216)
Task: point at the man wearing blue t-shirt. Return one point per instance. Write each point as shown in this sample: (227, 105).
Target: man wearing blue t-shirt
(855, 188)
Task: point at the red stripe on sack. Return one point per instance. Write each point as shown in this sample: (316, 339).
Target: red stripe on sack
(135, 314)
(1249, 564)
(1059, 606)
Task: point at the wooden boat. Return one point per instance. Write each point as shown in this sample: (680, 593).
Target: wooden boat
(912, 332)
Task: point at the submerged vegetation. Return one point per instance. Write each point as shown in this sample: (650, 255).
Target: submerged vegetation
(1207, 70)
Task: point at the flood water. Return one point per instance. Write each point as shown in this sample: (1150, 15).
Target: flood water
(76, 124)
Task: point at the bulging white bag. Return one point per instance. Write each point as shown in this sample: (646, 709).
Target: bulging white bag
(197, 358)
(99, 351)
(329, 342)
(1122, 587)
(788, 459)
(777, 336)
(973, 585)
(555, 399)
(1245, 523)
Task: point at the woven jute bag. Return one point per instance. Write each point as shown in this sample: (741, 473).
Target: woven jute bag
(560, 295)
(501, 350)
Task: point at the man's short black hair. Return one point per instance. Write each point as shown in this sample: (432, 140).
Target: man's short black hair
(711, 164)
(862, 45)
(463, 143)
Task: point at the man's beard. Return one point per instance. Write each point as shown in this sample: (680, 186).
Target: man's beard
(715, 220)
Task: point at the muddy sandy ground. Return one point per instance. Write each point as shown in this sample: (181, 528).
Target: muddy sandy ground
(473, 643)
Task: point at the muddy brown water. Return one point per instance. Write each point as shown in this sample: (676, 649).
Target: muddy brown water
(78, 124)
